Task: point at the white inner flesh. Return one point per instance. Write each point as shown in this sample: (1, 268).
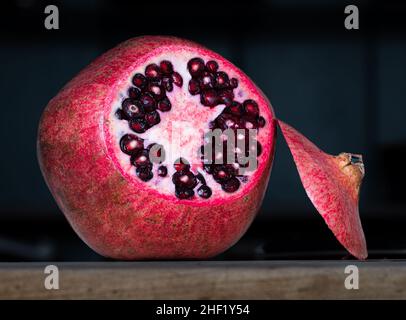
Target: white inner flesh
(180, 138)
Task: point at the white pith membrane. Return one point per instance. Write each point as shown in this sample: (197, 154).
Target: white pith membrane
(180, 138)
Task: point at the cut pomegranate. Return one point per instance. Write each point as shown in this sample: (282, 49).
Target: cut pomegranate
(145, 167)
(128, 188)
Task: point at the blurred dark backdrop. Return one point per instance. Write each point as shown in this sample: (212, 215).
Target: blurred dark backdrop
(344, 89)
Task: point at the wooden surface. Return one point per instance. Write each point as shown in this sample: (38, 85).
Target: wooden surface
(205, 280)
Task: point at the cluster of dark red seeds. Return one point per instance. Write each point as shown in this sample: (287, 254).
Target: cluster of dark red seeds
(140, 109)
(140, 156)
(148, 96)
(213, 86)
(216, 88)
(185, 181)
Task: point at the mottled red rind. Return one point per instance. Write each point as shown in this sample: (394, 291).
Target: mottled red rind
(113, 216)
(333, 190)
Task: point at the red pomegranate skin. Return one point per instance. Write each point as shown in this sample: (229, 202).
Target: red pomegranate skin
(114, 217)
(332, 183)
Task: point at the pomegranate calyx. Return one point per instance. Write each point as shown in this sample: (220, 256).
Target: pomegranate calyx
(353, 167)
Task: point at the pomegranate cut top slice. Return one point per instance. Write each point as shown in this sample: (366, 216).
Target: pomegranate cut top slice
(332, 184)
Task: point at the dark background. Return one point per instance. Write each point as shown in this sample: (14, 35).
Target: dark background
(344, 89)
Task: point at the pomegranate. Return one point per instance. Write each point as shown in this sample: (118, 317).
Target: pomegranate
(162, 149)
(122, 148)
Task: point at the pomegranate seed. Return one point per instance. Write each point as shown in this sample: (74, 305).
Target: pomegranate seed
(232, 169)
(195, 67)
(207, 81)
(221, 122)
(194, 87)
(235, 109)
(226, 97)
(167, 84)
(225, 121)
(164, 105)
(233, 83)
(152, 118)
(212, 66)
(231, 185)
(166, 67)
(249, 125)
(192, 181)
(134, 93)
(162, 171)
(176, 179)
(177, 79)
(209, 98)
(152, 71)
(251, 108)
(126, 102)
(141, 159)
(221, 174)
(156, 90)
(184, 179)
(204, 192)
(148, 102)
(138, 125)
(261, 122)
(144, 173)
(132, 109)
(139, 80)
(200, 178)
(181, 165)
(130, 144)
(120, 114)
(184, 193)
(221, 80)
